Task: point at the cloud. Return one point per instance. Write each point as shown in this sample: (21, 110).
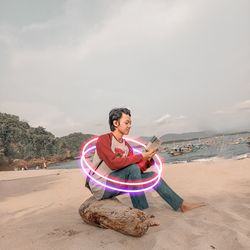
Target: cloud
(233, 117)
(171, 124)
(221, 112)
(123, 30)
(167, 118)
(243, 106)
(163, 119)
(181, 117)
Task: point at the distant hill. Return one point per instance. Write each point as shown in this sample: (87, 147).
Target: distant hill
(187, 136)
(174, 137)
(18, 140)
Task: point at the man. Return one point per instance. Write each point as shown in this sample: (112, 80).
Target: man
(114, 158)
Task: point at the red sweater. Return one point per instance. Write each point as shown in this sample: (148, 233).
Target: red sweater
(105, 153)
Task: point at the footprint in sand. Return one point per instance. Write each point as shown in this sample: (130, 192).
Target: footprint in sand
(63, 232)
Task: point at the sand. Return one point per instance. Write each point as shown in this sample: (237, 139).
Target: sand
(39, 210)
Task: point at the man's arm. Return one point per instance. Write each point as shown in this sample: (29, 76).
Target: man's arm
(106, 154)
(143, 164)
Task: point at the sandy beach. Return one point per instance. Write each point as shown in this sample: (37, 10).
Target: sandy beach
(39, 210)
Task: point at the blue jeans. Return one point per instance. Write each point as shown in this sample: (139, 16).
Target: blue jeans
(133, 173)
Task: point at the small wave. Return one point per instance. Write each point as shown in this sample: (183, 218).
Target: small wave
(241, 157)
(177, 162)
(207, 159)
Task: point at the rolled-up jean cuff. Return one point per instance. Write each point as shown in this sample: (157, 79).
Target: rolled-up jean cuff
(178, 204)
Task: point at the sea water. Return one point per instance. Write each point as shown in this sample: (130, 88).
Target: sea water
(211, 152)
(223, 147)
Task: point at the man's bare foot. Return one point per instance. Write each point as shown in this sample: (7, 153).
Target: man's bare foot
(185, 206)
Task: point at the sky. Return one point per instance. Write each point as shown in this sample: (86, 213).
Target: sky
(178, 65)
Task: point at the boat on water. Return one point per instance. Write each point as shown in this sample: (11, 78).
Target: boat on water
(175, 153)
(187, 149)
(181, 150)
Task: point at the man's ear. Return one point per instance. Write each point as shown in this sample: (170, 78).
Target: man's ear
(115, 123)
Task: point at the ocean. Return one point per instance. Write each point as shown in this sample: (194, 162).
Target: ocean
(209, 149)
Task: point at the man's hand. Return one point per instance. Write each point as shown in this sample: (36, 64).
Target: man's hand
(148, 155)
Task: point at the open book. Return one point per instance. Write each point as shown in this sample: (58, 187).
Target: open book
(153, 144)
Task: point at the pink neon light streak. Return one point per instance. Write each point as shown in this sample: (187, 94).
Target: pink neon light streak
(85, 150)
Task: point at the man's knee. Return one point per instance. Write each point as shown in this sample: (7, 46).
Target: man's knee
(134, 169)
(150, 174)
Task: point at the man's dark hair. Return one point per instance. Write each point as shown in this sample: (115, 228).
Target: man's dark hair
(115, 115)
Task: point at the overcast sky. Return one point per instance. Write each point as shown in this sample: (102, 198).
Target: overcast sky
(179, 65)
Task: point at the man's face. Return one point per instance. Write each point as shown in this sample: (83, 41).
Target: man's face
(124, 124)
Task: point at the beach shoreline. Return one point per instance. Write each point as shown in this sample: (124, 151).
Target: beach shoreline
(39, 210)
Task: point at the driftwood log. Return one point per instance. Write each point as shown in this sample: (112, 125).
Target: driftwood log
(111, 213)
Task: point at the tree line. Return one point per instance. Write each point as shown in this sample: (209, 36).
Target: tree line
(18, 140)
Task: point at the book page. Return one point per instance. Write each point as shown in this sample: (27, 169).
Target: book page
(153, 144)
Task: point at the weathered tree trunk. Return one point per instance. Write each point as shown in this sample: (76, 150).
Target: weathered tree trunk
(111, 213)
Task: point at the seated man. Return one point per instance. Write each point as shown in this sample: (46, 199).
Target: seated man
(114, 158)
